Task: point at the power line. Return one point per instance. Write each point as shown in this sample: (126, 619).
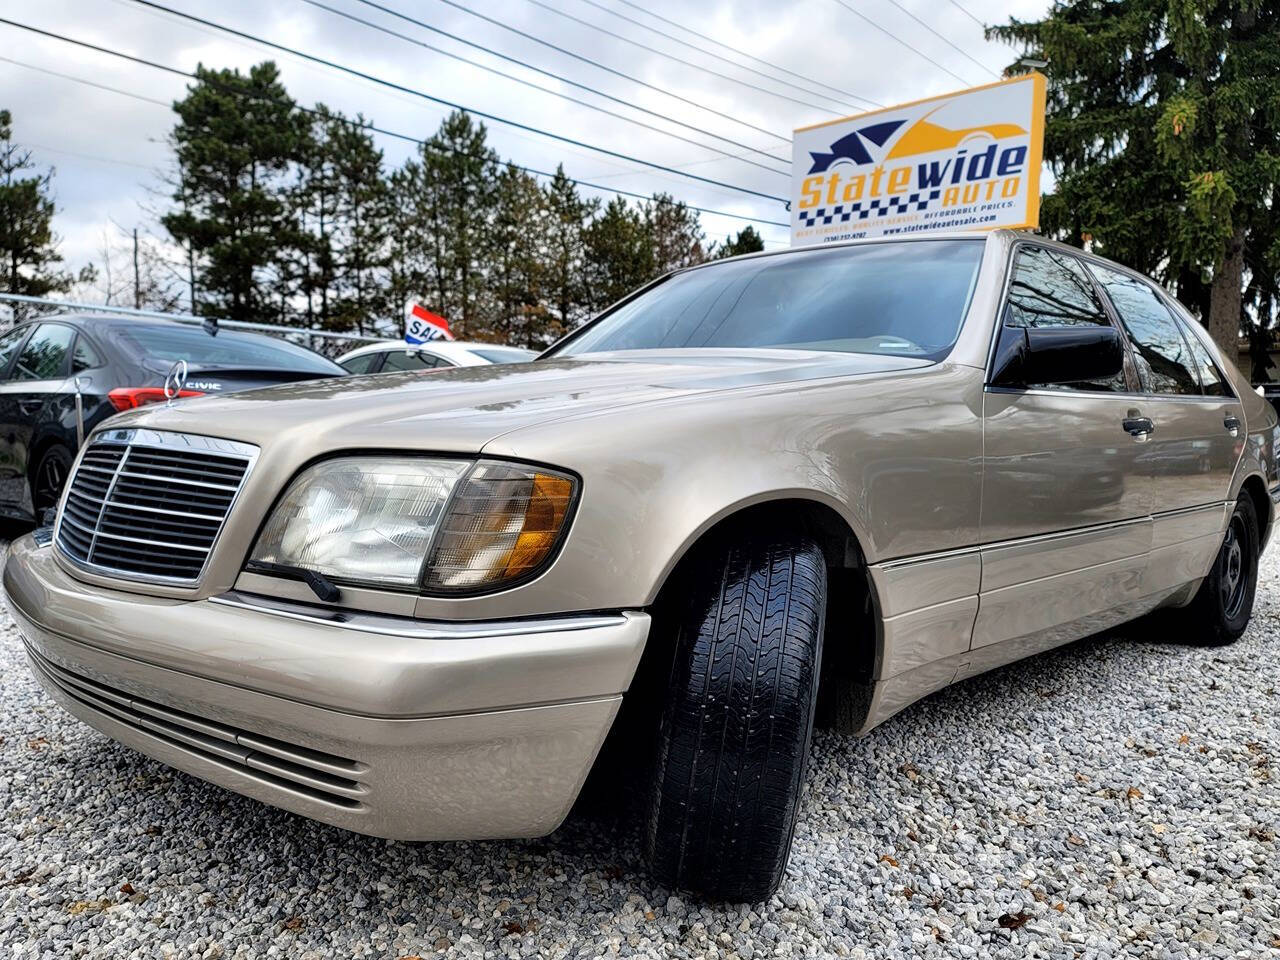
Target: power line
(743, 53)
(608, 69)
(966, 13)
(533, 171)
(740, 66)
(555, 76)
(555, 93)
(901, 42)
(943, 39)
(454, 105)
(662, 53)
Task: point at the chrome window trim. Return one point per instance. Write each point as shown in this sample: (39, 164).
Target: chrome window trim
(164, 440)
(396, 626)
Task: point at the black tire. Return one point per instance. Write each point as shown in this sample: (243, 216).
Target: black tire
(48, 478)
(734, 736)
(1224, 603)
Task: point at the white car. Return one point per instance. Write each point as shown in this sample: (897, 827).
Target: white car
(387, 355)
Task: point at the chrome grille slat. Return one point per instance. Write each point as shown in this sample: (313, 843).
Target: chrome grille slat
(150, 505)
(322, 776)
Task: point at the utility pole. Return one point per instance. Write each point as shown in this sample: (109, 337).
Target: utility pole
(137, 283)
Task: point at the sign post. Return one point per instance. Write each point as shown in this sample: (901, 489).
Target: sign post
(965, 161)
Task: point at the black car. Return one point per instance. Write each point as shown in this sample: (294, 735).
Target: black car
(117, 363)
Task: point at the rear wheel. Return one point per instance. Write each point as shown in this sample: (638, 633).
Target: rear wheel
(734, 735)
(48, 478)
(1224, 603)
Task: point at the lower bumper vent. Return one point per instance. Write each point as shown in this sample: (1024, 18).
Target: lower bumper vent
(312, 773)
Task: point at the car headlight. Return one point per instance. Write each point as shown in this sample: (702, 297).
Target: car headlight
(442, 526)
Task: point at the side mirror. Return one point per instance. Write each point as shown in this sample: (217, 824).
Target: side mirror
(1057, 355)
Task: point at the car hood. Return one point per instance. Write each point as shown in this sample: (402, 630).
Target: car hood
(462, 408)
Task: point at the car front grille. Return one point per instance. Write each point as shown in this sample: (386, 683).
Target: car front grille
(149, 505)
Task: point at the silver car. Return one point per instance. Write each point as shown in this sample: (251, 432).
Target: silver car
(811, 485)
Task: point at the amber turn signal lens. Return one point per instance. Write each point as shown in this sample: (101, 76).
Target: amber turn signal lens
(503, 523)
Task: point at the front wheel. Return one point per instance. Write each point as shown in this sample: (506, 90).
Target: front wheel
(1224, 603)
(734, 736)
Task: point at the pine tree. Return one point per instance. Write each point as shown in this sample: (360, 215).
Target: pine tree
(1164, 137)
(619, 254)
(28, 246)
(516, 268)
(748, 240)
(237, 141)
(675, 232)
(566, 289)
(446, 212)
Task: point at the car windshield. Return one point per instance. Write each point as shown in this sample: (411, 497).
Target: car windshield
(904, 299)
(229, 348)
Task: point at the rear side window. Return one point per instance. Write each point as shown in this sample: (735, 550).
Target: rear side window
(406, 360)
(45, 355)
(504, 354)
(362, 363)
(1214, 383)
(84, 357)
(1164, 360)
(230, 349)
(1051, 289)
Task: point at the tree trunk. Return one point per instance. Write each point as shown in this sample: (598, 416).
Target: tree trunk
(1225, 298)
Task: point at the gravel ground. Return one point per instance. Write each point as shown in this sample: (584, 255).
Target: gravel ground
(1114, 798)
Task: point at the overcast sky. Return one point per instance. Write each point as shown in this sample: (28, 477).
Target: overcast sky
(109, 153)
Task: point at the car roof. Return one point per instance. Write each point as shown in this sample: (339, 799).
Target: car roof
(450, 349)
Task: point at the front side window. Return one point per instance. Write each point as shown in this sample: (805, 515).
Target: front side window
(9, 343)
(44, 357)
(1164, 360)
(900, 299)
(1050, 288)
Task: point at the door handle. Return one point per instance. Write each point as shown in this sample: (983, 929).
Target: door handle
(1138, 427)
(1232, 423)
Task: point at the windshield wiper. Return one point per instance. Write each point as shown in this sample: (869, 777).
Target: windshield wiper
(320, 585)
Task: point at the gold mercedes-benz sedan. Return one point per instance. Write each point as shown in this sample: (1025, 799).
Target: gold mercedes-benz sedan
(812, 485)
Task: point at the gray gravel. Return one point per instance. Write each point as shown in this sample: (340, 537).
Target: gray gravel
(1112, 799)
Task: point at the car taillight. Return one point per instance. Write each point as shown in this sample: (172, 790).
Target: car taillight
(130, 398)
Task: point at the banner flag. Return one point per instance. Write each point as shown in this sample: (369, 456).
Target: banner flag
(421, 325)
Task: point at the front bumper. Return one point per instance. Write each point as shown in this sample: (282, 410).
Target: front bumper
(385, 726)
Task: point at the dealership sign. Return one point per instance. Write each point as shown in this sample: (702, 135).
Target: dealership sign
(965, 161)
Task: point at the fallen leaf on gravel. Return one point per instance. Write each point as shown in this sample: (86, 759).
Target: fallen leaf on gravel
(1157, 828)
(650, 915)
(293, 923)
(1184, 739)
(889, 860)
(1264, 834)
(909, 771)
(513, 927)
(35, 743)
(152, 831)
(1074, 840)
(1133, 793)
(1012, 921)
(441, 944)
(1081, 778)
(89, 906)
(908, 892)
(1060, 907)
(127, 889)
